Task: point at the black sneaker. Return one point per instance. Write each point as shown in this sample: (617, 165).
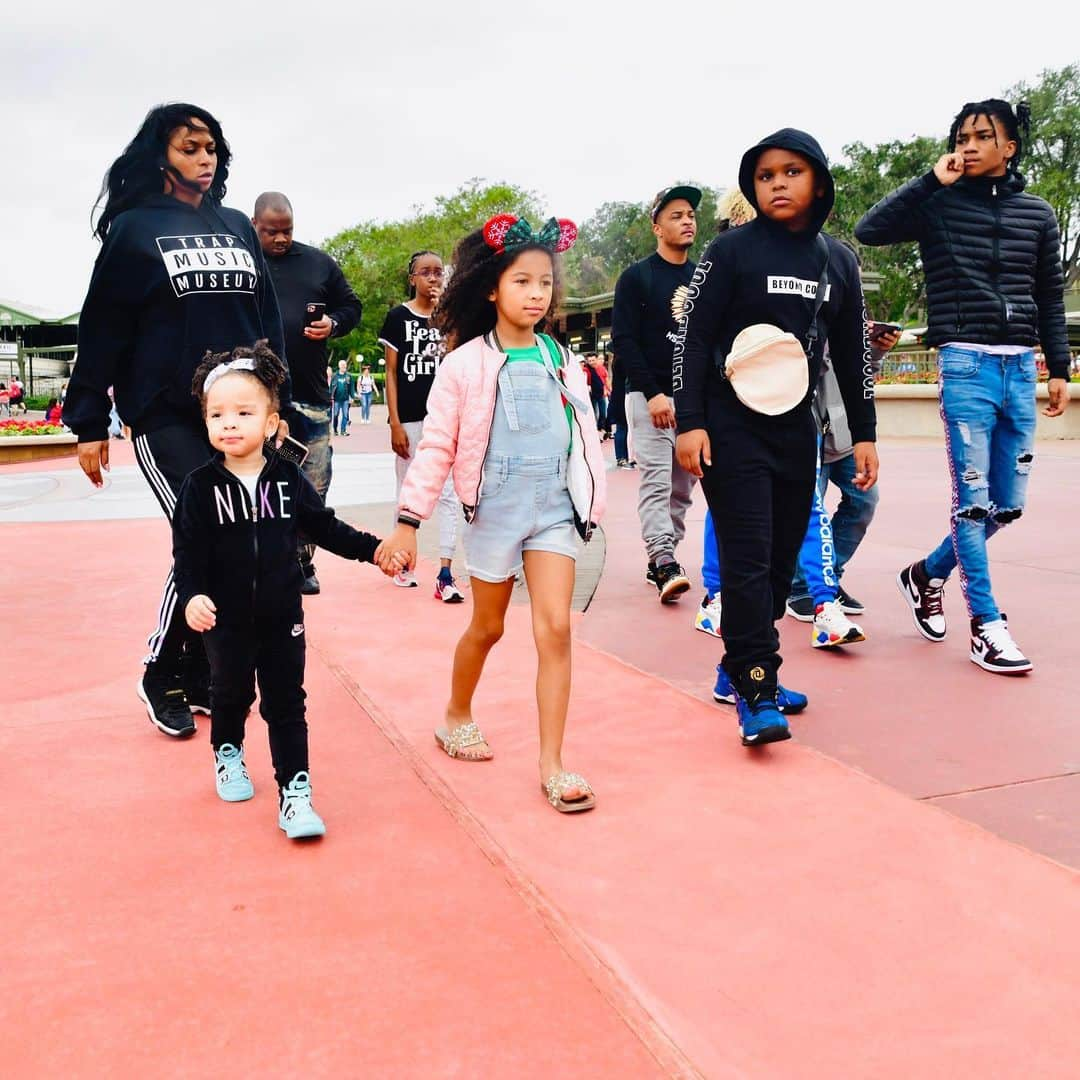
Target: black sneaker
(924, 596)
(848, 604)
(670, 582)
(311, 586)
(801, 608)
(993, 648)
(166, 704)
(650, 574)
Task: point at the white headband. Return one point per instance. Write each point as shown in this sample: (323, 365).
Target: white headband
(224, 369)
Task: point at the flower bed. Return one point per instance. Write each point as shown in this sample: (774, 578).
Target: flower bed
(21, 428)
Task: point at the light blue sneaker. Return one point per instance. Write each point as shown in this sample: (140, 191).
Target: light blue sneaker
(297, 817)
(233, 782)
(788, 701)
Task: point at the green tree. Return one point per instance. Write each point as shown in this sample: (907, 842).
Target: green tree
(374, 256)
(1051, 161)
(864, 176)
(618, 234)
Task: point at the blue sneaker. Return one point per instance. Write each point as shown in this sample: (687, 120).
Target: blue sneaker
(761, 722)
(788, 701)
(233, 782)
(297, 817)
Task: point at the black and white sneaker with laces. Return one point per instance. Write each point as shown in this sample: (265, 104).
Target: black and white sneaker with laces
(924, 595)
(162, 692)
(993, 648)
(671, 581)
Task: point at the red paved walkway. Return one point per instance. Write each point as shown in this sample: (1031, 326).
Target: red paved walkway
(720, 913)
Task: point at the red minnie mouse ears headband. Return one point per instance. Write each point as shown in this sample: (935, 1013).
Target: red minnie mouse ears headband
(505, 232)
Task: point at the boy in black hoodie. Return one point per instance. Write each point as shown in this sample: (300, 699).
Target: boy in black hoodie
(238, 579)
(758, 470)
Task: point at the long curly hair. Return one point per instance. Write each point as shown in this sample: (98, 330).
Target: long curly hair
(269, 370)
(137, 173)
(464, 310)
(1017, 124)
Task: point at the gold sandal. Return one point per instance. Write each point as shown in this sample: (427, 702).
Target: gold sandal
(559, 784)
(461, 738)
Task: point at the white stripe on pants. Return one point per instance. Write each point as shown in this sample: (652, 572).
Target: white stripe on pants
(449, 507)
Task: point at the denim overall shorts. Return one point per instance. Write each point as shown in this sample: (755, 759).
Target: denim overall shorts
(524, 504)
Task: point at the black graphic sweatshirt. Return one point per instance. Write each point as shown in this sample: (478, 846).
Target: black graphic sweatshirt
(243, 556)
(763, 273)
(170, 282)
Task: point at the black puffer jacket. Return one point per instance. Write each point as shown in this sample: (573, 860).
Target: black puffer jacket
(992, 258)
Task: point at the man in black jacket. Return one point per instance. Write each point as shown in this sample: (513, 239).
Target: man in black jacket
(645, 314)
(305, 275)
(994, 288)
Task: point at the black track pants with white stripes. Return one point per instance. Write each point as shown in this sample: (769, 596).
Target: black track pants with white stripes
(166, 456)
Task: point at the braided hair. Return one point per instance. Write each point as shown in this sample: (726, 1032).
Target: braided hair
(269, 371)
(412, 268)
(1017, 125)
(464, 310)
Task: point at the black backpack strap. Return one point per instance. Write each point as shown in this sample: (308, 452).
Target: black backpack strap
(812, 333)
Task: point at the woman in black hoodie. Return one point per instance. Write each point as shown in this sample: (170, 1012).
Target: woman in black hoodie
(757, 470)
(178, 275)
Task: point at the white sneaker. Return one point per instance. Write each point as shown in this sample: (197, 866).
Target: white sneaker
(297, 818)
(993, 648)
(233, 782)
(832, 627)
(707, 619)
(405, 580)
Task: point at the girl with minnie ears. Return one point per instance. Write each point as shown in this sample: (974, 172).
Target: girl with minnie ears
(509, 412)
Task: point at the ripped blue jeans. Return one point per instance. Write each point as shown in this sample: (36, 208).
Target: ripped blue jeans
(988, 409)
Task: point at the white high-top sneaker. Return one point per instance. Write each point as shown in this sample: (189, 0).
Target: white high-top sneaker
(993, 648)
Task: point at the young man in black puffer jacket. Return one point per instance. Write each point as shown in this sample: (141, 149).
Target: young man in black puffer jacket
(994, 285)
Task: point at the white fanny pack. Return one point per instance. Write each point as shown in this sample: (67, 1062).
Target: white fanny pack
(768, 368)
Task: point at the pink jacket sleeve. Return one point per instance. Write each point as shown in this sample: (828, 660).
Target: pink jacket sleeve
(438, 445)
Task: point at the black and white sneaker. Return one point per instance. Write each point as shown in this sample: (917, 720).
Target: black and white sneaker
(848, 604)
(650, 574)
(802, 608)
(671, 582)
(993, 648)
(924, 596)
(166, 703)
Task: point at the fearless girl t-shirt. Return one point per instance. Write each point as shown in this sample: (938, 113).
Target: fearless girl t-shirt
(419, 350)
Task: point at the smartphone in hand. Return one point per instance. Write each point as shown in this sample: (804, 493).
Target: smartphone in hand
(880, 329)
(313, 312)
(290, 449)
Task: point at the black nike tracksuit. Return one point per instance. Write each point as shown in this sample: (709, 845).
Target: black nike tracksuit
(242, 554)
(760, 484)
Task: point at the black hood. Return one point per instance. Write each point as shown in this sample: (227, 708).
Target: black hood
(801, 143)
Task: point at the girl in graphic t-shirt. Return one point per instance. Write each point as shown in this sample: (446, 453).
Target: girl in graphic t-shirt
(414, 349)
(178, 275)
(509, 412)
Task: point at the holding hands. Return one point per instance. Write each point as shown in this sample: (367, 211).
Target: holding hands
(397, 552)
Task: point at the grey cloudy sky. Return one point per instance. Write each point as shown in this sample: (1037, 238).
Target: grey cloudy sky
(360, 111)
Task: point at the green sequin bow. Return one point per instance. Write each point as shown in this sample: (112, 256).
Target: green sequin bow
(505, 232)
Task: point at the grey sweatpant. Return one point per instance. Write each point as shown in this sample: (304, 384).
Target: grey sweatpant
(666, 487)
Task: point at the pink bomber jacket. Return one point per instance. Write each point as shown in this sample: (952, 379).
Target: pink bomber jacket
(460, 410)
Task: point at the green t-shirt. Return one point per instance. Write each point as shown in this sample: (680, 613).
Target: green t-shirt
(534, 354)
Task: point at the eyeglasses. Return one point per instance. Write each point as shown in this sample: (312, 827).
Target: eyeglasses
(430, 272)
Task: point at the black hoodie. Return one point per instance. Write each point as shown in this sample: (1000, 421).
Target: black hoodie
(244, 557)
(763, 273)
(170, 282)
